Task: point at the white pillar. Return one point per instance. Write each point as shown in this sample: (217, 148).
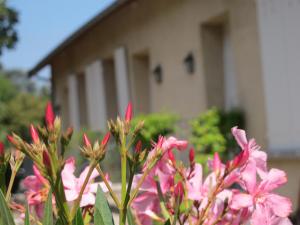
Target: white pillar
(73, 102)
(95, 94)
(121, 79)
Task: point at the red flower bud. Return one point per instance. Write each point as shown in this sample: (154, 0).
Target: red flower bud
(216, 163)
(171, 156)
(2, 150)
(11, 139)
(138, 147)
(105, 139)
(34, 134)
(46, 159)
(241, 158)
(86, 141)
(192, 155)
(128, 114)
(49, 115)
(179, 191)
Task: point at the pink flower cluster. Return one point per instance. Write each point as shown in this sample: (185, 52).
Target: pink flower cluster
(38, 187)
(238, 192)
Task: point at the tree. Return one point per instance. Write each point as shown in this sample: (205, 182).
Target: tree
(8, 21)
(17, 108)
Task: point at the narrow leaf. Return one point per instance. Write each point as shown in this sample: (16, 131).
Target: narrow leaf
(130, 217)
(27, 219)
(78, 220)
(103, 215)
(5, 213)
(98, 218)
(48, 214)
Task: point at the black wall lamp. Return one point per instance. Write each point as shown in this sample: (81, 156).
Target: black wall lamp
(157, 72)
(189, 63)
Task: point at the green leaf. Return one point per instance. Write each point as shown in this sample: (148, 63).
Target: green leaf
(168, 222)
(130, 217)
(27, 219)
(78, 220)
(98, 217)
(5, 213)
(48, 214)
(103, 215)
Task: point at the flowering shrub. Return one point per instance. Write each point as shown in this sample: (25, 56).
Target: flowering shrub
(156, 188)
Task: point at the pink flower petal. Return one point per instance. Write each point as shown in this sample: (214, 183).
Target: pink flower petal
(241, 200)
(274, 179)
(32, 183)
(87, 199)
(240, 136)
(93, 187)
(71, 195)
(84, 174)
(67, 174)
(249, 177)
(281, 206)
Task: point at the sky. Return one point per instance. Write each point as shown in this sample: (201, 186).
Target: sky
(43, 25)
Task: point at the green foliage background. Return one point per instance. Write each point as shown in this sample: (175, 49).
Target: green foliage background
(155, 124)
(211, 132)
(18, 108)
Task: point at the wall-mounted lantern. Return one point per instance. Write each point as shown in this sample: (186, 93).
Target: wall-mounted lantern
(189, 63)
(157, 72)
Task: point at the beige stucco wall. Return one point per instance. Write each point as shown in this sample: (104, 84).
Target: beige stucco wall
(168, 30)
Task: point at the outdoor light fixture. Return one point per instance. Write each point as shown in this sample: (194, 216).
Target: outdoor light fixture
(189, 63)
(157, 72)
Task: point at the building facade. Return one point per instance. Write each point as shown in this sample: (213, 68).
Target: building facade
(185, 57)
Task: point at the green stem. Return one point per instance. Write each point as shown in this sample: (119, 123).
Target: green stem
(123, 178)
(60, 199)
(77, 201)
(140, 182)
(10, 185)
(162, 201)
(111, 192)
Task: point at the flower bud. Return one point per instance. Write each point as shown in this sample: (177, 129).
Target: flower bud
(69, 132)
(86, 141)
(172, 156)
(105, 140)
(46, 159)
(49, 115)
(241, 158)
(2, 150)
(179, 191)
(128, 114)
(138, 147)
(216, 163)
(192, 156)
(34, 134)
(12, 140)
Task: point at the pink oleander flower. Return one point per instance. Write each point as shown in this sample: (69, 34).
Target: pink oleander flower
(268, 208)
(146, 204)
(214, 198)
(37, 191)
(73, 184)
(255, 155)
